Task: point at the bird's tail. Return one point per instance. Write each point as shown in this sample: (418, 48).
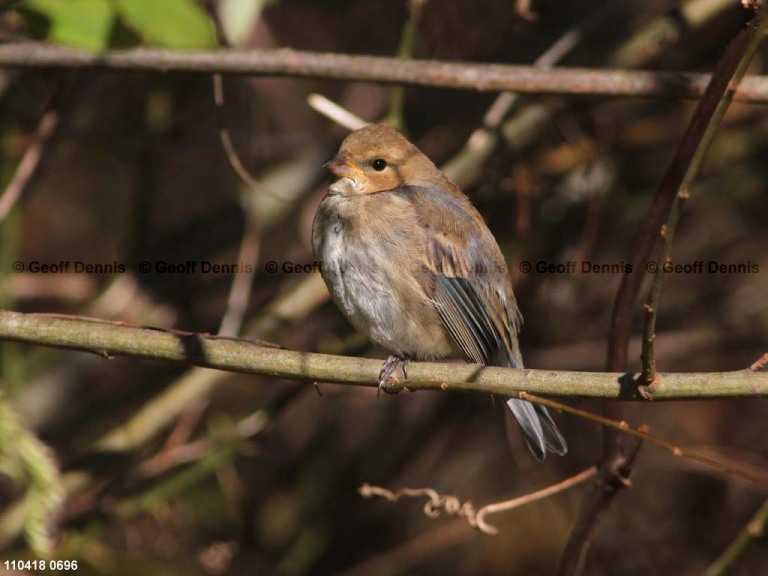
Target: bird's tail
(541, 433)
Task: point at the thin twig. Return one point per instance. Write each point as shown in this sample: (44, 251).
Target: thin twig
(436, 502)
(405, 51)
(453, 506)
(333, 111)
(229, 146)
(643, 434)
(648, 354)
(242, 281)
(29, 164)
(467, 76)
(185, 425)
(755, 528)
(528, 498)
(178, 454)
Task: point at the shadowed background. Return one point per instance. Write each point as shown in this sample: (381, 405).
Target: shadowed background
(135, 172)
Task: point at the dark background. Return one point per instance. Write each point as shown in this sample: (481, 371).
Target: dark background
(136, 172)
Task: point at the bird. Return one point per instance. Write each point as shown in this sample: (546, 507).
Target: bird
(411, 263)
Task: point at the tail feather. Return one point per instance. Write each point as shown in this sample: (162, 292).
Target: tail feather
(484, 323)
(541, 433)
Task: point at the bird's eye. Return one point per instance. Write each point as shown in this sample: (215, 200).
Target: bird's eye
(379, 164)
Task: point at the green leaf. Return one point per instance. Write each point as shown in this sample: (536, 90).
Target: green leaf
(169, 23)
(85, 24)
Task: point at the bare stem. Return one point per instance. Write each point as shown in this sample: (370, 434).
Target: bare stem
(458, 75)
(108, 339)
(648, 354)
(405, 51)
(528, 498)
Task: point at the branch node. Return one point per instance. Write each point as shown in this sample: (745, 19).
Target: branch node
(760, 363)
(648, 390)
(616, 473)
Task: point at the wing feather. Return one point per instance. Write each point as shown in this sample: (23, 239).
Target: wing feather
(474, 299)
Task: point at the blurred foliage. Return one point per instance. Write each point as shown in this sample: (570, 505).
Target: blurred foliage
(135, 172)
(27, 461)
(91, 24)
(81, 23)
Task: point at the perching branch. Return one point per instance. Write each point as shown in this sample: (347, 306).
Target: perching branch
(108, 339)
(458, 75)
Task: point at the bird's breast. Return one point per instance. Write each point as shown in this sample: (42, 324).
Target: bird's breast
(372, 262)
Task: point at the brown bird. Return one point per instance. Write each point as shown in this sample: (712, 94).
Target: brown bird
(411, 263)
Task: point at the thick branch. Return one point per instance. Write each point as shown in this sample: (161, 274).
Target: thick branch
(466, 75)
(108, 339)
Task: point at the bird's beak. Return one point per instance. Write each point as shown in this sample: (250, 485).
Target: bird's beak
(341, 167)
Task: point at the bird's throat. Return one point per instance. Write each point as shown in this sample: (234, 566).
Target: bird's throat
(344, 187)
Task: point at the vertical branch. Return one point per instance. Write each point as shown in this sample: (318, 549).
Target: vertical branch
(724, 85)
(616, 466)
(405, 50)
(651, 308)
(242, 281)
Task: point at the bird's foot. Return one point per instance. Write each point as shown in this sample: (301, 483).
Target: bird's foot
(388, 369)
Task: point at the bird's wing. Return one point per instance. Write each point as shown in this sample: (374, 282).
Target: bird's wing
(468, 276)
(466, 318)
(474, 299)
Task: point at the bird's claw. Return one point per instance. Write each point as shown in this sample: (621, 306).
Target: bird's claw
(388, 369)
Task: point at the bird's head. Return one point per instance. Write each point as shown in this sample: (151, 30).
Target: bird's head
(378, 158)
